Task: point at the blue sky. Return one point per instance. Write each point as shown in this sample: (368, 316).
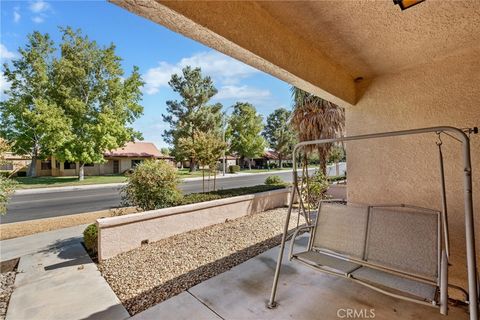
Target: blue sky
(157, 51)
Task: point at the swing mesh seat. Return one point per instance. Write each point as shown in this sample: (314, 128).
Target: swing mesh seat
(392, 249)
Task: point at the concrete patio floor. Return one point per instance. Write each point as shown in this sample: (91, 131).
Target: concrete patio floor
(242, 293)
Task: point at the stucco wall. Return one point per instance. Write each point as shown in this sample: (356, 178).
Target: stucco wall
(124, 233)
(406, 169)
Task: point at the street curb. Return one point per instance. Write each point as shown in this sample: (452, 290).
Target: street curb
(69, 188)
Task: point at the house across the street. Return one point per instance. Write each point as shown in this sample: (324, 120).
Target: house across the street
(117, 161)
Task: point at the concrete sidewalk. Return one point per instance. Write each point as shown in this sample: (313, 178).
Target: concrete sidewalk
(21, 246)
(56, 279)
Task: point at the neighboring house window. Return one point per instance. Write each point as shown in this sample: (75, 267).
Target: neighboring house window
(136, 162)
(46, 165)
(69, 165)
(7, 166)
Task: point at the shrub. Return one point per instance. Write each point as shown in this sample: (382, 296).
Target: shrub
(90, 239)
(233, 169)
(199, 197)
(336, 178)
(152, 185)
(7, 187)
(274, 180)
(317, 187)
(272, 165)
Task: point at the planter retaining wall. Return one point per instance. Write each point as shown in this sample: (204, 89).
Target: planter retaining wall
(124, 233)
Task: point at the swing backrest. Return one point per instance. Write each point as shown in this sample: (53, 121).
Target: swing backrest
(405, 239)
(341, 228)
(401, 238)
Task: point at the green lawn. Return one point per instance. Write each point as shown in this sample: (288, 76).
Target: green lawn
(44, 182)
(185, 173)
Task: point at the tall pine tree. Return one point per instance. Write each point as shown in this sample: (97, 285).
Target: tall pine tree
(192, 113)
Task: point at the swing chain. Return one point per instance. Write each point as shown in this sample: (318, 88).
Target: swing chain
(439, 142)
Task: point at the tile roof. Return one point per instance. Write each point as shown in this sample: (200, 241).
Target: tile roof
(137, 149)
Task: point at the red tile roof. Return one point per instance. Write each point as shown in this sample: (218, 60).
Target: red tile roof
(137, 149)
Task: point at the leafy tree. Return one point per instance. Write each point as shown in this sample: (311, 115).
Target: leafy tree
(165, 151)
(192, 112)
(95, 98)
(207, 149)
(31, 120)
(7, 186)
(279, 134)
(244, 131)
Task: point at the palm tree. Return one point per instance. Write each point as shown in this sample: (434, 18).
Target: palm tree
(315, 118)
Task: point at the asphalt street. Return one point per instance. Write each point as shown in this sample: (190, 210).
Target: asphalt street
(23, 207)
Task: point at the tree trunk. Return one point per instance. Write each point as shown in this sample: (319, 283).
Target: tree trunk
(323, 166)
(214, 179)
(203, 179)
(249, 164)
(81, 172)
(280, 162)
(193, 165)
(337, 169)
(32, 170)
(208, 181)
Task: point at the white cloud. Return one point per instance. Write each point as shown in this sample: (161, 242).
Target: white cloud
(159, 77)
(5, 54)
(221, 68)
(39, 6)
(38, 19)
(4, 84)
(242, 93)
(16, 15)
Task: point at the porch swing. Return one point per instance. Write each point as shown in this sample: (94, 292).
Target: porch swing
(399, 250)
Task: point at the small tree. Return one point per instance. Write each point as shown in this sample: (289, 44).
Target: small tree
(7, 186)
(165, 151)
(207, 148)
(152, 185)
(244, 131)
(279, 134)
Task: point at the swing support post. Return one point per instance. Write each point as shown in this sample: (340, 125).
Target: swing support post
(473, 281)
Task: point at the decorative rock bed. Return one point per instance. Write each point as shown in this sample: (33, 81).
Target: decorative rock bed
(157, 271)
(7, 280)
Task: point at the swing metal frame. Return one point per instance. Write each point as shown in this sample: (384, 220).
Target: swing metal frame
(456, 133)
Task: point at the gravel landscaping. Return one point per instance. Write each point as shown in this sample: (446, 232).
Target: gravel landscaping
(7, 280)
(157, 271)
